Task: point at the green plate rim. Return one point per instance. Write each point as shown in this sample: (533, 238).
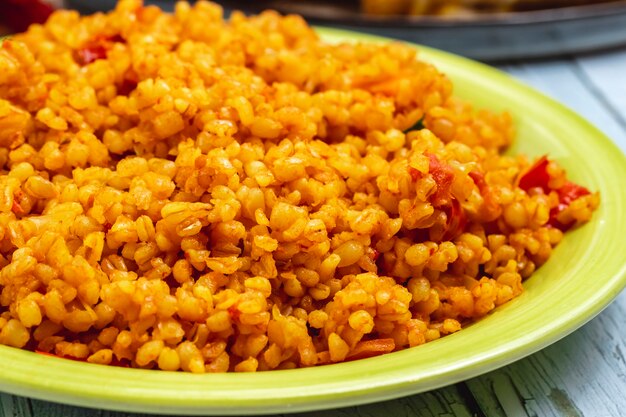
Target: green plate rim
(390, 376)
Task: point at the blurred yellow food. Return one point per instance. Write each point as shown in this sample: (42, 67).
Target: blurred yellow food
(458, 7)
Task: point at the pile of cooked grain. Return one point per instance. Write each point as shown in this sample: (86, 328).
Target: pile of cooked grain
(181, 192)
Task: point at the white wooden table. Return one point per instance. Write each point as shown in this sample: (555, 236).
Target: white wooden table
(583, 374)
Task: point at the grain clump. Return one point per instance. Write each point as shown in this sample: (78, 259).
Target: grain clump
(181, 192)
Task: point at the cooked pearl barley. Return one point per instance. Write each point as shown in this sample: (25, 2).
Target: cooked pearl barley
(185, 193)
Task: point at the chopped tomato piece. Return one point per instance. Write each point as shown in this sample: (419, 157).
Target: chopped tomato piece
(369, 348)
(91, 53)
(96, 49)
(16, 208)
(536, 176)
(568, 193)
(479, 180)
(414, 173)
(456, 221)
(234, 312)
(443, 176)
(491, 208)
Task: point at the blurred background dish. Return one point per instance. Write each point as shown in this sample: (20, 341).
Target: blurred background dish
(456, 8)
(520, 32)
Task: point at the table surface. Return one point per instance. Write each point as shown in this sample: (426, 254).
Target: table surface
(584, 374)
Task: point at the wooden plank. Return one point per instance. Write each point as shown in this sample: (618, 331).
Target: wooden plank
(46, 409)
(604, 73)
(12, 406)
(445, 402)
(584, 374)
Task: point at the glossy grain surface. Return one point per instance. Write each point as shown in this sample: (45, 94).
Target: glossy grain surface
(585, 273)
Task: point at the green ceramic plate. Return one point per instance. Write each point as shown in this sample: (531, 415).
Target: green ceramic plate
(586, 272)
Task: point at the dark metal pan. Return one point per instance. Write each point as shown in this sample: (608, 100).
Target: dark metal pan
(488, 37)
